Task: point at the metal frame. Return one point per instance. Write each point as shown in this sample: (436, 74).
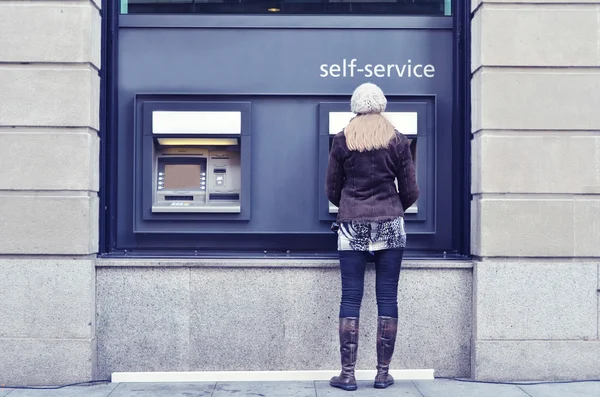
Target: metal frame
(461, 10)
(108, 109)
(144, 220)
(460, 23)
(285, 21)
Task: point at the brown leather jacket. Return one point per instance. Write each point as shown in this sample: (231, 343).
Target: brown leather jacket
(362, 184)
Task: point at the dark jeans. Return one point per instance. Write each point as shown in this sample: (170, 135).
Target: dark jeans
(387, 270)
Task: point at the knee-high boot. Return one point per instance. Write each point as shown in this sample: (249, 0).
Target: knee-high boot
(348, 330)
(387, 327)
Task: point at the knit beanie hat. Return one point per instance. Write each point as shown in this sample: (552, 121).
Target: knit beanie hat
(368, 98)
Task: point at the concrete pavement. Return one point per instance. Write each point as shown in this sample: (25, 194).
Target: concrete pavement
(426, 388)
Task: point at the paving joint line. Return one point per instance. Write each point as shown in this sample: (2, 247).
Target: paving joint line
(113, 390)
(524, 391)
(417, 387)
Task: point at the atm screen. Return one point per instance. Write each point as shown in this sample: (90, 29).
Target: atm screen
(182, 176)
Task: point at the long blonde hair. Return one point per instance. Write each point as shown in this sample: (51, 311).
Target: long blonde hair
(369, 132)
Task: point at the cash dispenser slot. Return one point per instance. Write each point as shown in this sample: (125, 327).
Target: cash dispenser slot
(405, 122)
(197, 161)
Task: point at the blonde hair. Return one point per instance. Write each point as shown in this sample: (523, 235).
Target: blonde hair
(369, 132)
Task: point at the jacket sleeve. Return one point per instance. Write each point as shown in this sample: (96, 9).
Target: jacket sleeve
(406, 176)
(334, 179)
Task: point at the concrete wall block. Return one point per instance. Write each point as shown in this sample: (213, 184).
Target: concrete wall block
(95, 46)
(587, 226)
(497, 155)
(544, 2)
(47, 362)
(524, 300)
(539, 100)
(49, 160)
(476, 161)
(44, 224)
(547, 35)
(476, 40)
(143, 319)
(67, 309)
(237, 316)
(536, 360)
(476, 102)
(540, 227)
(476, 3)
(49, 96)
(53, 32)
(436, 315)
(301, 317)
(476, 227)
(254, 322)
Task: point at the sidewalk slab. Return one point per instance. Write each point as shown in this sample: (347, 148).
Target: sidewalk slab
(266, 389)
(102, 390)
(402, 388)
(584, 389)
(366, 389)
(452, 388)
(198, 389)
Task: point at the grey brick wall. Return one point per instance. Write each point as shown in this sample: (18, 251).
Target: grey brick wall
(536, 186)
(49, 120)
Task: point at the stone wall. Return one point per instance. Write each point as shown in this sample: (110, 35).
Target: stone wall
(49, 121)
(536, 189)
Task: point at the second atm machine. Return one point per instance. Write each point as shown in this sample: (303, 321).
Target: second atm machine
(195, 163)
(334, 118)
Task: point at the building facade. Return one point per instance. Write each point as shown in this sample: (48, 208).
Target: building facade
(503, 281)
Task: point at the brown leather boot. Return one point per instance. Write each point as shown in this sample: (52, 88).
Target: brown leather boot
(348, 329)
(387, 327)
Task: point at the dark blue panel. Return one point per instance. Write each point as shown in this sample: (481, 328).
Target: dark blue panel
(280, 71)
(283, 61)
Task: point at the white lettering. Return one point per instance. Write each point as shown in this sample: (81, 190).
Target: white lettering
(389, 69)
(334, 69)
(379, 70)
(401, 74)
(323, 70)
(415, 71)
(429, 71)
(352, 68)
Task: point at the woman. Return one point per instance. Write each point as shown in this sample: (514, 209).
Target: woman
(365, 160)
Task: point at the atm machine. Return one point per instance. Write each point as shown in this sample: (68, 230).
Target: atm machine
(336, 120)
(193, 162)
(196, 165)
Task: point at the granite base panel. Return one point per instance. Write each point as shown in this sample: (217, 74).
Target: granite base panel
(271, 319)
